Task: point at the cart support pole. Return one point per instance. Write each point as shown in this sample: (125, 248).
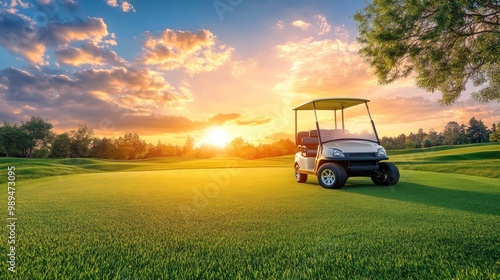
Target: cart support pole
(317, 127)
(343, 126)
(296, 136)
(335, 118)
(373, 123)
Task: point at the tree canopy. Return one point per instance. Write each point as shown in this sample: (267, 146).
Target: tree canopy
(446, 43)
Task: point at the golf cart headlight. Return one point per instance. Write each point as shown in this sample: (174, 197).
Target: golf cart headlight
(381, 152)
(336, 152)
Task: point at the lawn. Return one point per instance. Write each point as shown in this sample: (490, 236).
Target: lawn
(228, 218)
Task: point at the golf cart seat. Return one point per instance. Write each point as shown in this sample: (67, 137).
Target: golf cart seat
(300, 136)
(310, 144)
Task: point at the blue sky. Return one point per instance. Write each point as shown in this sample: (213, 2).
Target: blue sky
(169, 69)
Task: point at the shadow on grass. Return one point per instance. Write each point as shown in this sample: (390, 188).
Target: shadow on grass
(470, 201)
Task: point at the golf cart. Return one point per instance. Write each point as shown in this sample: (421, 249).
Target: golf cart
(338, 149)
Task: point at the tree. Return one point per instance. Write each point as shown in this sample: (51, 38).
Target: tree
(81, 141)
(495, 133)
(61, 145)
(433, 139)
(130, 146)
(477, 132)
(102, 148)
(14, 140)
(451, 134)
(38, 131)
(188, 145)
(445, 42)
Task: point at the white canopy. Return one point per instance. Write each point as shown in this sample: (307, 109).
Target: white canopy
(331, 103)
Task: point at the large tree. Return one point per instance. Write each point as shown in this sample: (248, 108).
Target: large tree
(38, 131)
(446, 43)
(452, 134)
(81, 141)
(61, 145)
(14, 140)
(477, 132)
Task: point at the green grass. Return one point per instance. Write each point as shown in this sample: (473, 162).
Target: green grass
(227, 218)
(258, 223)
(39, 168)
(478, 159)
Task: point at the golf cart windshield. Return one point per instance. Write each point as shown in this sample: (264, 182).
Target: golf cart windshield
(339, 119)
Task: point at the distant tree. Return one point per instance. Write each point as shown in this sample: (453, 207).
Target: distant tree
(101, 148)
(38, 131)
(445, 42)
(451, 134)
(464, 139)
(477, 132)
(188, 145)
(81, 141)
(14, 141)
(409, 143)
(433, 138)
(203, 151)
(130, 146)
(495, 133)
(61, 145)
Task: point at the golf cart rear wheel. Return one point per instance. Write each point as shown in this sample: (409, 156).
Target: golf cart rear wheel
(299, 177)
(332, 176)
(386, 175)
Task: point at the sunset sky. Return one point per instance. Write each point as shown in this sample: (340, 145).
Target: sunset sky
(169, 69)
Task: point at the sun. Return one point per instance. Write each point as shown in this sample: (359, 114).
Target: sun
(216, 136)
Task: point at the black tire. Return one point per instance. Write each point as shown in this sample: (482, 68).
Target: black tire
(386, 175)
(332, 176)
(299, 177)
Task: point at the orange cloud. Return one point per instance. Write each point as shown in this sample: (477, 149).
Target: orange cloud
(301, 24)
(93, 29)
(193, 52)
(321, 68)
(137, 89)
(88, 54)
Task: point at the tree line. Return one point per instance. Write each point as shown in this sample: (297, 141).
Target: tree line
(453, 134)
(34, 138)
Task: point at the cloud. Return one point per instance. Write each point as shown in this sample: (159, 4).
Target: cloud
(21, 86)
(241, 67)
(193, 52)
(221, 119)
(21, 35)
(57, 33)
(50, 9)
(124, 6)
(136, 91)
(112, 3)
(280, 25)
(127, 7)
(323, 24)
(322, 68)
(12, 6)
(253, 122)
(301, 24)
(132, 88)
(88, 54)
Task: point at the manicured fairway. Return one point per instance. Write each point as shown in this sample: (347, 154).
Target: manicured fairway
(255, 223)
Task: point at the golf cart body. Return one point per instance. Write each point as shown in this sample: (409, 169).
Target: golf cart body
(340, 145)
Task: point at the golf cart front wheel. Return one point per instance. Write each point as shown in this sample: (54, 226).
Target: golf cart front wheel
(332, 176)
(299, 177)
(386, 175)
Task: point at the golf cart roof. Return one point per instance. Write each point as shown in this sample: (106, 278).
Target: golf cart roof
(331, 103)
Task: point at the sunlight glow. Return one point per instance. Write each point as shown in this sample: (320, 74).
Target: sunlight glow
(216, 136)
